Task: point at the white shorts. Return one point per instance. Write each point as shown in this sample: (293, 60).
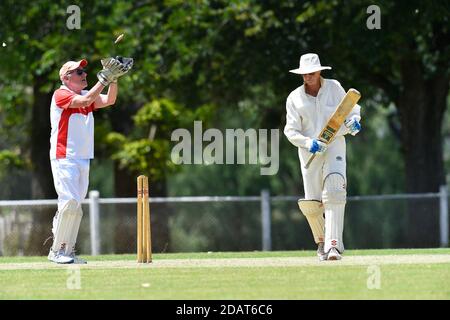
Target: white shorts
(71, 179)
(332, 160)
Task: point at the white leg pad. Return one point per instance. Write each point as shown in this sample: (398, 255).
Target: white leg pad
(334, 198)
(313, 211)
(74, 230)
(62, 225)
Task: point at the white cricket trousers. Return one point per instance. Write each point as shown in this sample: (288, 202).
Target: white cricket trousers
(71, 179)
(325, 180)
(331, 161)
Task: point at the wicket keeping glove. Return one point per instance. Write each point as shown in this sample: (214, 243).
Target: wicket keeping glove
(113, 68)
(353, 126)
(126, 62)
(316, 146)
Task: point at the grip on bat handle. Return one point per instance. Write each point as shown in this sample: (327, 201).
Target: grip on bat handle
(311, 158)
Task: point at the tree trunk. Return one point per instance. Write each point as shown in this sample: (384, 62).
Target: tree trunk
(124, 186)
(160, 216)
(421, 107)
(41, 179)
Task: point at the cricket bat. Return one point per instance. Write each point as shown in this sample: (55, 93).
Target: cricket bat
(337, 119)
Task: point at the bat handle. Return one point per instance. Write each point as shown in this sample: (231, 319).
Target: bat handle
(311, 158)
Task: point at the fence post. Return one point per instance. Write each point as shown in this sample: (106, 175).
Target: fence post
(94, 210)
(265, 219)
(443, 215)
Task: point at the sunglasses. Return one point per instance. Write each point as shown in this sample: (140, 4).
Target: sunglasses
(78, 71)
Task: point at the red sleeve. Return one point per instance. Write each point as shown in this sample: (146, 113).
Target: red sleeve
(63, 98)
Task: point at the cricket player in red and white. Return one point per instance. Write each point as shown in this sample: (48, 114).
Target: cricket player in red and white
(72, 146)
(308, 109)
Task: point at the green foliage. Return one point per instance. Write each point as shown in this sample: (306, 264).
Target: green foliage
(222, 62)
(374, 155)
(134, 156)
(156, 111)
(10, 160)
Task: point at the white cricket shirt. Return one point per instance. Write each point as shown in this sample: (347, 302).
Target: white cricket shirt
(306, 116)
(72, 133)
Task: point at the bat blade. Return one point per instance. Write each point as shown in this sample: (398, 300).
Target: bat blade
(336, 120)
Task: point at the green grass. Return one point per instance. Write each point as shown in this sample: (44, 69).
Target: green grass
(397, 281)
(226, 255)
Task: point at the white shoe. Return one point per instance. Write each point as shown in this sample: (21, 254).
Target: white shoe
(333, 254)
(59, 257)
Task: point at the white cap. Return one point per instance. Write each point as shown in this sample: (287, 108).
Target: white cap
(309, 63)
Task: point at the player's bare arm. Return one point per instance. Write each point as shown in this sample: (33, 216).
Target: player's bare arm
(105, 100)
(76, 80)
(80, 101)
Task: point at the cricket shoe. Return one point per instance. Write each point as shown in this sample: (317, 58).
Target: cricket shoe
(321, 252)
(59, 257)
(334, 254)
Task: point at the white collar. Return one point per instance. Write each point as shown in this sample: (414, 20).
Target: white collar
(322, 87)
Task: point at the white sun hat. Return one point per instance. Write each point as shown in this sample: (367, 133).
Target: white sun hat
(309, 63)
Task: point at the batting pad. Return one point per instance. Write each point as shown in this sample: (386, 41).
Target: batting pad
(64, 224)
(73, 233)
(334, 198)
(334, 190)
(313, 211)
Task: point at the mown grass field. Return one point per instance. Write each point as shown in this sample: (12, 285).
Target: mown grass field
(287, 275)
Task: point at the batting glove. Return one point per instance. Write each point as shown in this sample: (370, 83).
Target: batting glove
(353, 126)
(316, 146)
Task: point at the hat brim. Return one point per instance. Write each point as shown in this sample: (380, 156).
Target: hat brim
(82, 63)
(306, 71)
(73, 65)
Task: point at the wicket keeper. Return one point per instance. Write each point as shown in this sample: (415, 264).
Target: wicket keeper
(72, 145)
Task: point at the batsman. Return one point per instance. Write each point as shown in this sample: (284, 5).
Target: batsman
(72, 145)
(309, 109)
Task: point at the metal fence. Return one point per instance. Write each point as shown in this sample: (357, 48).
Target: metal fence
(271, 218)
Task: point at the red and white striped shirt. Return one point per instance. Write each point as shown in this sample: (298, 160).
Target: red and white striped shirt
(72, 134)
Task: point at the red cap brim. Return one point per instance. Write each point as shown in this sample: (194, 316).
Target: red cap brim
(83, 63)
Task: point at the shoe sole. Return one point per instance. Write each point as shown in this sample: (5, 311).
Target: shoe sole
(334, 258)
(60, 262)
